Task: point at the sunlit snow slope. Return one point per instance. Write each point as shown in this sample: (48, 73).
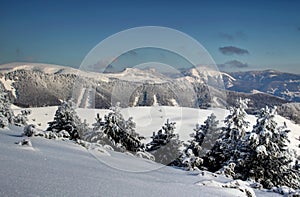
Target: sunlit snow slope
(150, 119)
(63, 168)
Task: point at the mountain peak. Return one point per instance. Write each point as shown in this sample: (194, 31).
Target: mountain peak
(42, 67)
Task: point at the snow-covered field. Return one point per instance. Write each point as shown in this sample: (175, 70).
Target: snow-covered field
(150, 119)
(63, 168)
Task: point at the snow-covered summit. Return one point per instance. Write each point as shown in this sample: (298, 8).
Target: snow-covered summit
(138, 75)
(45, 68)
(128, 74)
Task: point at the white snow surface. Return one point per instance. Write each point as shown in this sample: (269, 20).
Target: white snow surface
(150, 119)
(64, 168)
(8, 85)
(155, 100)
(174, 102)
(137, 75)
(136, 100)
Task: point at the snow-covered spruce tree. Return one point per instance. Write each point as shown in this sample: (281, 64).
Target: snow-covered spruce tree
(207, 134)
(22, 118)
(189, 161)
(6, 113)
(202, 141)
(121, 132)
(165, 145)
(97, 135)
(66, 118)
(236, 123)
(225, 150)
(265, 156)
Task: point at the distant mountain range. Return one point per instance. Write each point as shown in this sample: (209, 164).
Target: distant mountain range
(282, 85)
(34, 85)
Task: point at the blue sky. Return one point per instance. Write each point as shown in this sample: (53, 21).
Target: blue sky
(240, 35)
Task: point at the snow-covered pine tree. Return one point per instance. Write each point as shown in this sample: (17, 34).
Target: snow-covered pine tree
(189, 161)
(6, 113)
(121, 132)
(165, 145)
(202, 141)
(209, 133)
(130, 127)
(22, 118)
(225, 150)
(236, 123)
(66, 118)
(97, 135)
(265, 157)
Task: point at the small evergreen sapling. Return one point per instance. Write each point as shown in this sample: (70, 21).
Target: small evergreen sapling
(98, 124)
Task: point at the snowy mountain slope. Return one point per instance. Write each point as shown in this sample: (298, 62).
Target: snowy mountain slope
(291, 111)
(45, 68)
(137, 75)
(258, 100)
(200, 73)
(50, 69)
(44, 85)
(62, 168)
(283, 85)
(150, 119)
(36, 85)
